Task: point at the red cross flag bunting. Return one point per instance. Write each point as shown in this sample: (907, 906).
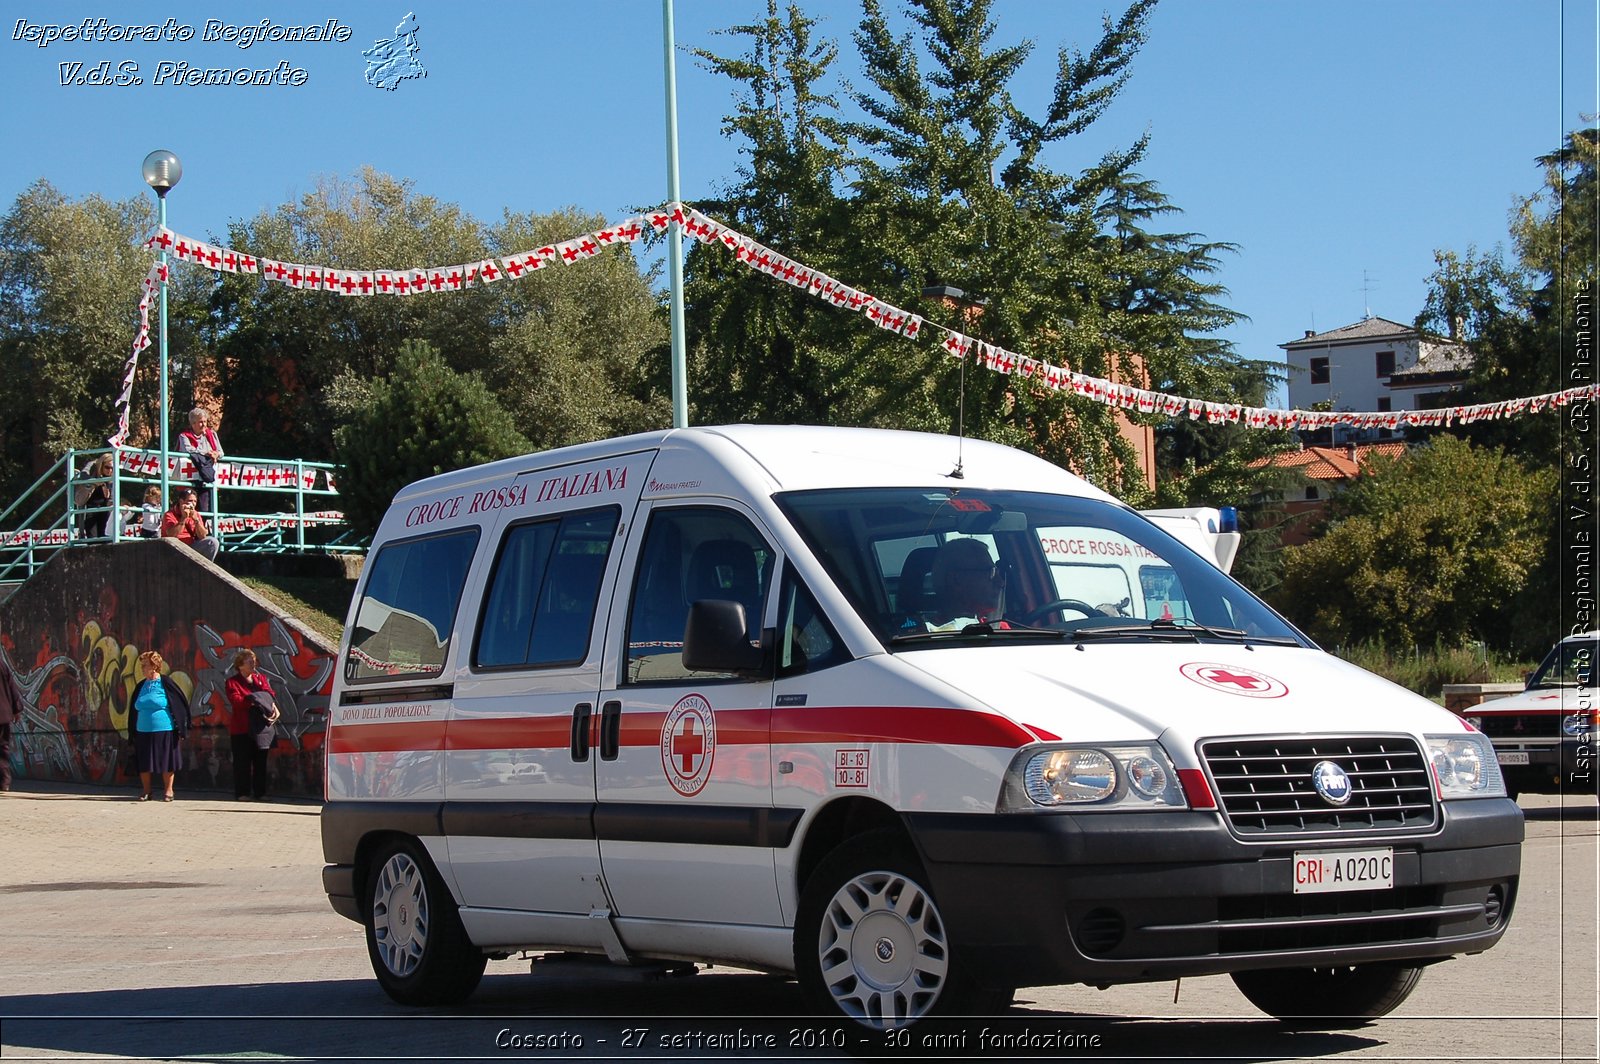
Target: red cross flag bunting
(523, 262)
(578, 248)
(957, 346)
(758, 257)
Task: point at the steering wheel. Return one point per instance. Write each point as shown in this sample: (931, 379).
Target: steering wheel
(1033, 616)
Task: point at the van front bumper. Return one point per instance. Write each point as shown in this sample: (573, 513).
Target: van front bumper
(1046, 898)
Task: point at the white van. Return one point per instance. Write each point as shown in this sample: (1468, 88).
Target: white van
(706, 695)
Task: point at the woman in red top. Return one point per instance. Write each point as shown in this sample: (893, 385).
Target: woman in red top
(184, 524)
(250, 725)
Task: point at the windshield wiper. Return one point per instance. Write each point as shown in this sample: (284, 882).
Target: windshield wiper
(1168, 633)
(1011, 631)
(1225, 633)
(1165, 629)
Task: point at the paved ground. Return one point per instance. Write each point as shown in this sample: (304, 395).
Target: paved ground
(198, 930)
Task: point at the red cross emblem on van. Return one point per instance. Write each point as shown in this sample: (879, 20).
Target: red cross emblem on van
(1234, 680)
(688, 744)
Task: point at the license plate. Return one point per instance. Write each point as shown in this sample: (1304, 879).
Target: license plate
(1511, 757)
(1324, 873)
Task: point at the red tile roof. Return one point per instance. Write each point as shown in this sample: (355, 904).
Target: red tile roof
(1331, 463)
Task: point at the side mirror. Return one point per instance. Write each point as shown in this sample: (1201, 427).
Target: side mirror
(715, 639)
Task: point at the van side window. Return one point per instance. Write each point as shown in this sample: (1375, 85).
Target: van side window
(408, 607)
(690, 554)
(543, 592)
(806, 641)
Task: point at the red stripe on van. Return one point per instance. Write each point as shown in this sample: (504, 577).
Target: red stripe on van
(385, 738)
(511, 733)
(735, 727)
(896, 724)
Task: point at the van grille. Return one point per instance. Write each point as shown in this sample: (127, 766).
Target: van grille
(1265, 786)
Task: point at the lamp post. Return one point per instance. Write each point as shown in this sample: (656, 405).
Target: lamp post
(161, 172)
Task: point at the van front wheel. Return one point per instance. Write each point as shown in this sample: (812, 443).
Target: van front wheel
(418, 948)
(870, 941)
(1335, 996)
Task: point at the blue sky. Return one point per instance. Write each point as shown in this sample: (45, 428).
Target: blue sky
(1329, 139)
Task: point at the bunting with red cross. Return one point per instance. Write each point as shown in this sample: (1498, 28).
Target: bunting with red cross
(582, 247)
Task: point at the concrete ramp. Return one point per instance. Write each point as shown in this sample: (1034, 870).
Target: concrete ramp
(73, 635)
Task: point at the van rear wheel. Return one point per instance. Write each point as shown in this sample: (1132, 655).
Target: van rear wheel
(1336, 996)
(418, 948)
(870, 942)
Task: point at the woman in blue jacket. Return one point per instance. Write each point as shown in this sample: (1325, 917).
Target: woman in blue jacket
(157, 723)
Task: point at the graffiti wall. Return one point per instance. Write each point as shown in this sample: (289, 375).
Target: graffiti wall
(73, 635)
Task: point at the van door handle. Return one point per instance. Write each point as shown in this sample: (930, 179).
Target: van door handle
(580, 731)
(610, 730)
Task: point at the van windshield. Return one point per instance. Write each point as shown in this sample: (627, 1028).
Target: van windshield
(937, 565)
(1570, 664)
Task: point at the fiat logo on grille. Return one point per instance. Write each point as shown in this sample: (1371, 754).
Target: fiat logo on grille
(1332, 782)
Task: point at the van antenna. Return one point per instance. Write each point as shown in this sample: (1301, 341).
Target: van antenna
(961, 418)
(968, 307)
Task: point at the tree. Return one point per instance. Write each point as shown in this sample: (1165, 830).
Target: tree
(766, 352)
(1200, 464)
(1517, 312)
(421, 420)
(954, 190)
(942, 183)
(1521, 314)
(69, 291)
(567, 351)
(277, 349)
(579, 353)
(1411, 558)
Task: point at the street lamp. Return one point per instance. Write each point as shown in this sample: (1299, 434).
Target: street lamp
(161, 172)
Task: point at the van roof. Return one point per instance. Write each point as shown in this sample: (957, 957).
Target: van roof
(798, 457)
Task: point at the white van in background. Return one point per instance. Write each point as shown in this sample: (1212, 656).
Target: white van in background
(763, 732)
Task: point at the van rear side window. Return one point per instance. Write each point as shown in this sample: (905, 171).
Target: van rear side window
(542, 595)
(408, 607)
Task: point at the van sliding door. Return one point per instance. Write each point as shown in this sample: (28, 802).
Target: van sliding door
(520, 788)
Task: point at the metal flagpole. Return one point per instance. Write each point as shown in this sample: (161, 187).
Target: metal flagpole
(680, 387)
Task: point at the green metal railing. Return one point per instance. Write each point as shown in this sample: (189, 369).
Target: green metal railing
(47, 516)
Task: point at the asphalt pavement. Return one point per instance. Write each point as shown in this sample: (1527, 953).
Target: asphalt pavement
(198, 930)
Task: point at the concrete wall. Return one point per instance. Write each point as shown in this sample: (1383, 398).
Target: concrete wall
(73, 635)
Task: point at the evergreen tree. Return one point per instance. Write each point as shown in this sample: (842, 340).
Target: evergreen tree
(422, 419)
(942, 185)
(765, 352)
(954, 191)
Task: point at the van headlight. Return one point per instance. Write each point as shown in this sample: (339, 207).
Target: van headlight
(1123, 776)
(1464, 766)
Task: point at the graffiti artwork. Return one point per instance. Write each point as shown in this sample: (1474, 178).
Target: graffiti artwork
(78, 672)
